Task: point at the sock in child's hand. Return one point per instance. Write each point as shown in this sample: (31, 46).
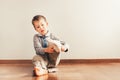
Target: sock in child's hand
(56, 45)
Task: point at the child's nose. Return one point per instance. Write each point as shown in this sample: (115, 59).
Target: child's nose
(41, 27)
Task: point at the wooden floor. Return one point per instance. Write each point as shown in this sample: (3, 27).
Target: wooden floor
(83, 71)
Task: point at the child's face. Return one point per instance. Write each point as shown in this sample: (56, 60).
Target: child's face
(41, 26)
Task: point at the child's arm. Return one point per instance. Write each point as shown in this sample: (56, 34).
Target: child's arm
(37, 45)
(64, 45)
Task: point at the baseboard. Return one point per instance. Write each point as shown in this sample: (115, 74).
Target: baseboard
(89, 61)
(15, 61)
(78, 61)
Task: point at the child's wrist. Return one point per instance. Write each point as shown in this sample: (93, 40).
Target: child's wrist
(45, 50)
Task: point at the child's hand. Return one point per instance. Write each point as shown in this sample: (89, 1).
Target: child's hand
(49, 49)
(63, 48)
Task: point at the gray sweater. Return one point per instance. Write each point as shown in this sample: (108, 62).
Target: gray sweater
(38, 42)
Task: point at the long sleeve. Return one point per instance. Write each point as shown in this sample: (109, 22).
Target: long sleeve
(62, 42)
(37, 45)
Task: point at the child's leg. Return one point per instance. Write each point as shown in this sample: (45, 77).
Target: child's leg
(53, 61)
(40, 63)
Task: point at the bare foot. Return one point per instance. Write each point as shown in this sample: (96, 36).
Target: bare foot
(40, 71)
(43, 77)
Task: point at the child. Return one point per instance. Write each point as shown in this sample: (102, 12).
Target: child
(47, 56)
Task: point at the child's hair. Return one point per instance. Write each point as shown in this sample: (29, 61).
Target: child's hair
(37, 18)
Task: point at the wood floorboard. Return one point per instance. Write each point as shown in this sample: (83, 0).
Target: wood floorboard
(95, 71)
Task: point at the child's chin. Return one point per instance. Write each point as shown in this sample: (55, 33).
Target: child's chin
(42, 33)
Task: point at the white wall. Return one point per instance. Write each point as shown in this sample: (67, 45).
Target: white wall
(91, 27)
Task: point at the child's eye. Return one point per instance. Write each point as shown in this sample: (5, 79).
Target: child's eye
(38, 27)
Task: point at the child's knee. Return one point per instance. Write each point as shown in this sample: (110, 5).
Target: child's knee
(37, 58)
